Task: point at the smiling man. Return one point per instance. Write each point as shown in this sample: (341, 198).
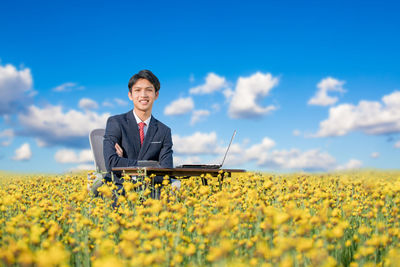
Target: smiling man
(137, 135)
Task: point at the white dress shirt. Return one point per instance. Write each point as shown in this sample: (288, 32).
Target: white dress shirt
(138, 120)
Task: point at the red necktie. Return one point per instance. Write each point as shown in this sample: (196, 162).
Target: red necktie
(141, 131)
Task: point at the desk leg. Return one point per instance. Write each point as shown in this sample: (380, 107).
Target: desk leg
(221, 179)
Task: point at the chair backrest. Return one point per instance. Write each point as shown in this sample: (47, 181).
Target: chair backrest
(96, 138)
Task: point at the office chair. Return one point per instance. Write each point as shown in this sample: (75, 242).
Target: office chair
(96, 137)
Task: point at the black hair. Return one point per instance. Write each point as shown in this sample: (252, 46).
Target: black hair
(144, 74)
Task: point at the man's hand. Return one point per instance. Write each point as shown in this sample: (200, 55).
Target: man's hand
(119, 150)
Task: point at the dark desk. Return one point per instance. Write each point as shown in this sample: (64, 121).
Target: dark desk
(173, 171)
(177, 172)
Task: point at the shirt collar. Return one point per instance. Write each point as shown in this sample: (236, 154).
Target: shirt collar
(139, 120)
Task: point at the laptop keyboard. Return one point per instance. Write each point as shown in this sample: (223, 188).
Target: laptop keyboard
(199, 166)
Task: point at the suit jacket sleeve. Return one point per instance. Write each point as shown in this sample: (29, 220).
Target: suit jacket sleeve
(166, 151)
(111, 137)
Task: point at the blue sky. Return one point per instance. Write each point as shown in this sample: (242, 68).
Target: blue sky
(257, 65)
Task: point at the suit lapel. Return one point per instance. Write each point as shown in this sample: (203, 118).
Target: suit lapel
(151, 131)
(134, 132)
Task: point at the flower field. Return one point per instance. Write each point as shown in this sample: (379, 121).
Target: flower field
(340, 219)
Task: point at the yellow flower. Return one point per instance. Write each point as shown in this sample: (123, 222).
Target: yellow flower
(55, 255)
(130, 235)
(191, 249)
(108, 261)
(337, 232)
(105, 191)
(204, 190)
(216, 253)
(26, 258)
(280, 218)
(287, 261)
(304, 244)
(35, 233)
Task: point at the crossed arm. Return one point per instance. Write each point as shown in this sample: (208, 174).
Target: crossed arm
(114, 153)
(120, 153)
(112, 156)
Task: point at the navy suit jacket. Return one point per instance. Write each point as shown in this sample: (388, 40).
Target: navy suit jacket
(123, 129)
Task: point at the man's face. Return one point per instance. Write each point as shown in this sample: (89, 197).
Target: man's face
(143, 95)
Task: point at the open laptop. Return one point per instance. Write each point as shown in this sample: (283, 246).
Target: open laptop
(209, 166)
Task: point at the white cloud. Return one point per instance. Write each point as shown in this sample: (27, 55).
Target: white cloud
(199, 115)
(40, 143)
(375, 155)
(397, 144)
(23, 152)
(67, 87)
(121, 102)
(261, 153)
(255, 151)
(15, 88)
(198, 143)
(69, 156)
(248, 92)
(228, 93)
(179, 106)
(235, 156)
(66, 156)
(187, 160)
(107, 104)
(296, 132)
(87, 103)
(53, 126)
(350, 165)
(369, 117)
(216, 107)
(82, 167)
(191, 78)
(321, 97)
(8, 135)
(294, 159)
(312, 159)
(7, 118)
(213, 83)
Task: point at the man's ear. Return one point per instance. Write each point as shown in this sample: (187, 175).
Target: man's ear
(130, 95)
(156, 95)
